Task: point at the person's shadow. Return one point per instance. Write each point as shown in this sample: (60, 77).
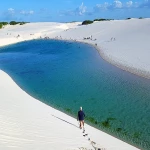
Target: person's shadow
(65, 121)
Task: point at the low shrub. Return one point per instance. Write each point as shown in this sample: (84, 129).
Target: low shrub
(101, 19)
(22, 23)
(86, 22)
(1, 25)
(14, 23)
(4, 23)
(140, 17)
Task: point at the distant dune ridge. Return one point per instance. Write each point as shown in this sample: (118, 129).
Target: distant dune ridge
(26, 123)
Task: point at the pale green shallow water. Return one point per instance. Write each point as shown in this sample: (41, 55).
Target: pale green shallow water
(67, 75)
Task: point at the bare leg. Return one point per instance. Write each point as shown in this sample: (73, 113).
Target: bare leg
(83, 123)
(83, 126)
(80, 124)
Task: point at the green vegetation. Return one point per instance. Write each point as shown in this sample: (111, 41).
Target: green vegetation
(106, 124)
(3, 24)
(92, 120)
(14, 23)
(119, 129)
(11, 23)
(22, 23)
(140, 17)
(87, 22)
(101, 19)
(68, 110)
(110, 118)
(137, 135)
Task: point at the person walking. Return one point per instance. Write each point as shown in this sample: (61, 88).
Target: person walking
(80, 117)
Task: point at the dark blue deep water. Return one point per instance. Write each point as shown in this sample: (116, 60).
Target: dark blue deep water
(67, 75)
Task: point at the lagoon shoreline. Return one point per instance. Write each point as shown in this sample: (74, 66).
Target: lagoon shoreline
(107, 48)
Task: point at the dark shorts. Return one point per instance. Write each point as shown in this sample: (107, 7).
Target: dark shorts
(81, 120)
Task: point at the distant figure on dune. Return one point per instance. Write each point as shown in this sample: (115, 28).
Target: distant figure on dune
(80, 117)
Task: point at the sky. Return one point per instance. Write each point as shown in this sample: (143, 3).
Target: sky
(72, 10)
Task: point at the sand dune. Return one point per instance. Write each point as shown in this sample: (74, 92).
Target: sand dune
(26, 123)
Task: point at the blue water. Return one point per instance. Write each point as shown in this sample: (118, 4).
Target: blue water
(67, 75)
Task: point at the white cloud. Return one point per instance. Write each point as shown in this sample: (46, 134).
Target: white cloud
(81, 10)
(146, 4)
(11, 11)
(129, 4)
(31, 12)
(23, 12)
(117, 4)
(43, 10)
(9, 14)
(104, 6)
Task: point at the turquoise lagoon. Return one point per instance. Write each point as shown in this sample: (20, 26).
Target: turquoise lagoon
(67, 75)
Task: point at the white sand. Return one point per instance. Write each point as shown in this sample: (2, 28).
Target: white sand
(26, 123)
(9, 34)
